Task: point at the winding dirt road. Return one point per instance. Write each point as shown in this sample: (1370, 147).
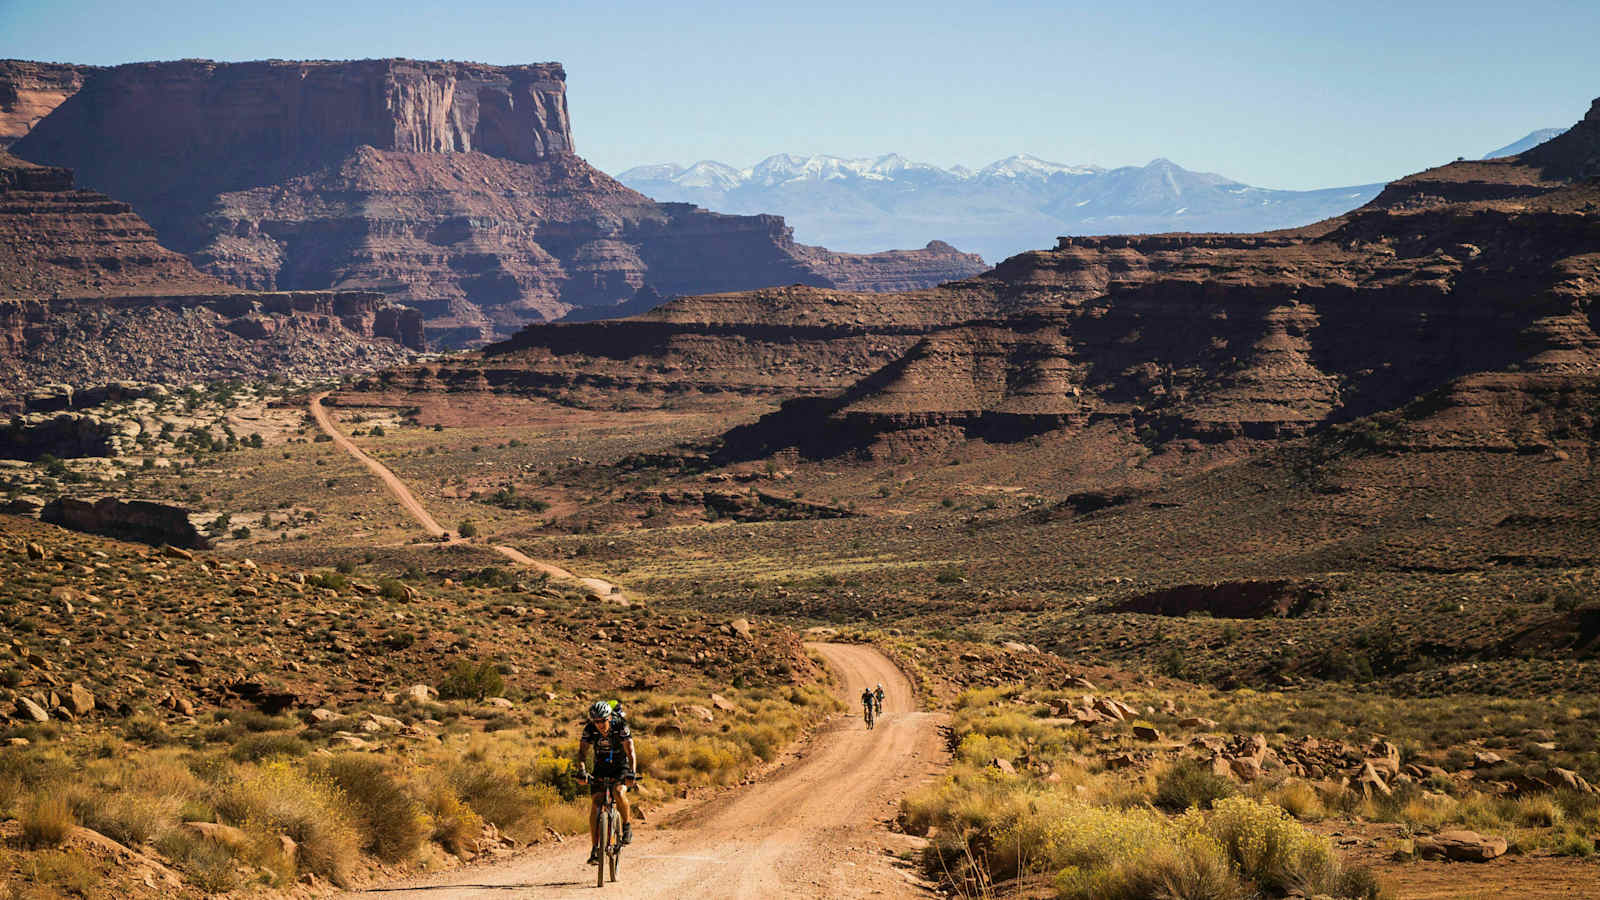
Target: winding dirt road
(812, 830)
(417, 511)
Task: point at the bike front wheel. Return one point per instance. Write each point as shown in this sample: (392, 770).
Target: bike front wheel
(614, 852)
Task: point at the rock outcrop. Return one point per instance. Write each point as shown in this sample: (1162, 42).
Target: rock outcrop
(88, 296)
(133, 520)
(1471, 286)
(29, 91)
(57, 240)
(450, 187)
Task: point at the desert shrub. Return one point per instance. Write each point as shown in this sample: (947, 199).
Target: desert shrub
(1298, 799)
(147, 729)
(388, 817)
(493, 794)
(208, 865)
(1188, 783)
(392, 588)
(265, 746)
(471, 681)
(1540, 811)
(129, 816)
(310, 810)
(1267, 846)
(467, 529)
(59, 873)
(46, 820)
(256, 720)
(334, 580)
(455, 824)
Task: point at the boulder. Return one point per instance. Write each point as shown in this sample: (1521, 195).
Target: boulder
(29, 711)
(421, 693)
(1199, 722)
(1461, 845)
(1369, 782)
(702, 713)
(723, 703)
(1004, 765)
(741, 627)
(1108, 708)
(1571, 780)
(35, 551)
(1246, 769)
(1146, 733)
(79, 699)
(1485, 759)
(224, 835)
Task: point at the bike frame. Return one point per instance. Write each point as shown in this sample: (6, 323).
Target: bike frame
(610, 823)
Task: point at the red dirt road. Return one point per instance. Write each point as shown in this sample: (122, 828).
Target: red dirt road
(811, 830)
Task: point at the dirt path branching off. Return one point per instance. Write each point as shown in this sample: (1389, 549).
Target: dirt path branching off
(414, 508)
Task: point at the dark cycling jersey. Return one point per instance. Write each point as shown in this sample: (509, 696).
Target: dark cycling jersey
(609, 752)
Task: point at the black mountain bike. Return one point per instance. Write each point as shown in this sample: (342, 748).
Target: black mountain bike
(610, 824)
(866, 710)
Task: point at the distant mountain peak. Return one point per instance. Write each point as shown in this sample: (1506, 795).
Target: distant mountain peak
(1533, 139)
(1024, 165)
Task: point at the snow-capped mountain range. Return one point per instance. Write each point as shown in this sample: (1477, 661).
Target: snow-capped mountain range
(1011, 205)
(1014, 204)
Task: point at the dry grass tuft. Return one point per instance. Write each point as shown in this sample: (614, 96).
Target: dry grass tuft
(47, 821)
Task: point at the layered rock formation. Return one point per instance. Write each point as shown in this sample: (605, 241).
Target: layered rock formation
(1473, 286)
(451, 187)
(87, 295)
(132, 520)
(29, 91)
(56, 240)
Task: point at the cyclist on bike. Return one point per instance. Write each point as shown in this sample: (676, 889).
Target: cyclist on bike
(877, 697)
(606, 730)
(866, 703)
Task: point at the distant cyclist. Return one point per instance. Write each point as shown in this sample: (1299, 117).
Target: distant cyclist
(877, 697)
(606, 730)
(867, 705)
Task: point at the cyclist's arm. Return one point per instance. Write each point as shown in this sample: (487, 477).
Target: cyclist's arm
(583, 753)
(633, 762)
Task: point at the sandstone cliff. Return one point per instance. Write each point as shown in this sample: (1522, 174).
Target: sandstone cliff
(88, 295)
(1473, 286)
(29, 91)
(451, 187)
(56, 240)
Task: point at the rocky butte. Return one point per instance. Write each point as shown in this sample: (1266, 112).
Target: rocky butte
(89, 296)
(451, 187)
(1465, 294)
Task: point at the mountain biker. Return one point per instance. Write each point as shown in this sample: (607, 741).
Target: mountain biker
(866, 703)
(877, 697)
(606, 730)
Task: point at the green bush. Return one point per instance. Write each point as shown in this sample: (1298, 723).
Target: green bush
(1191, 784)
(471, 681)
(266, 746)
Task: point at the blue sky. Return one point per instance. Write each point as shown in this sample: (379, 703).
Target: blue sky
(1284, 95)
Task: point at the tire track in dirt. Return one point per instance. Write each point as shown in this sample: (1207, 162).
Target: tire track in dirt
(812, 830)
